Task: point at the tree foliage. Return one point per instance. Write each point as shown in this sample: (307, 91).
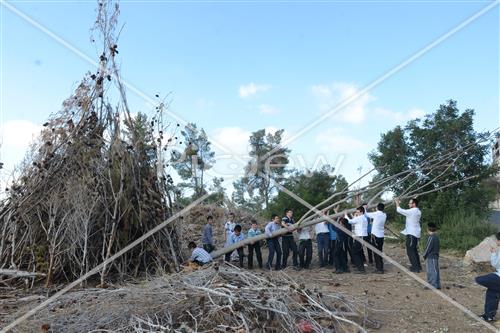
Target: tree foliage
(312, 186)
(443, 131)
(195, 158)
(267, 166)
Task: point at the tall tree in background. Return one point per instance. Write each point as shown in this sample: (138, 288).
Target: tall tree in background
(197, 157)
(312, 186)
(442, 131)
(264, 168)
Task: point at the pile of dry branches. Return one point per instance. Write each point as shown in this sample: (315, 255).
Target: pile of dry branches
(92, 183)
(216, 298)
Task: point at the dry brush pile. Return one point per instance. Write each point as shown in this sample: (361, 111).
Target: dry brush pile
(216, 298)
(93, 182)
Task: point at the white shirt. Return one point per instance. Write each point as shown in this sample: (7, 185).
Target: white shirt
(201, 255)
(305, 233)
(229, 227)
(379, 219)
(412, 226)
(360, 225)
(321, 228)
(495, 262)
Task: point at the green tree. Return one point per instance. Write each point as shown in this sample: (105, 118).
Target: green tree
(196, 158)
(445, 130)
(312, 186)
(217, 191)
(268, 165)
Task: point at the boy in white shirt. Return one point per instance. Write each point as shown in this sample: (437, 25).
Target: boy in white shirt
(377, 236)
(323, 242)
(360, 224)
(412, 231)
(305, 247)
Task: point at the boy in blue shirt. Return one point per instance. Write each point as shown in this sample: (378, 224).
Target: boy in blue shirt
(273, 243)
(236, 236)
(252, 232)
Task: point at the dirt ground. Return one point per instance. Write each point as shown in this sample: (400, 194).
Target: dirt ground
(396, 301)
(400, 303)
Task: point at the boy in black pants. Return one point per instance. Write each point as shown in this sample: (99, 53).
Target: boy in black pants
(341, 247)
(287, 242)
(305, 247)
(431, 255)
(236, 237)
(254, 231)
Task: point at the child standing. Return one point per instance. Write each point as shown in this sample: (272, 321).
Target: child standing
(305, 247)
(254, 231)
(206, 237)
(236, 236)
(273, 242)
(341, 248)
(431, 255)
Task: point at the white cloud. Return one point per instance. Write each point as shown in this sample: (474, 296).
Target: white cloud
(330, 96)
(399, 117)
(338, 141)
(252, 89)
(233, 138)
(268, 109)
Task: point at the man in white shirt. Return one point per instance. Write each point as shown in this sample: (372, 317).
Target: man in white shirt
(412, 232)
(323, 242)
(377, 236)
(360, 230)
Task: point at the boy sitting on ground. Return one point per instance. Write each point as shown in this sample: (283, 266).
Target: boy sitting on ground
(199, 256)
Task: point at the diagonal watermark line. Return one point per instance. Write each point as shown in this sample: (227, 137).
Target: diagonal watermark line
(349, 100)
(101, 265)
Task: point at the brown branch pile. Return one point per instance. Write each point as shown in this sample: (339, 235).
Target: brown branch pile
(92, 183)
(216, 298)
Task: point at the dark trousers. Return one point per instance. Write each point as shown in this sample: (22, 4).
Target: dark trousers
(357, 255)
(492, 282)
(350, 241)
(331, 252)
(323, 241)
(241, 254)
(288, 244)
(305, 252)
(274, 247)
(378, 242)
(368, 239)
(341, 255)
(433, 278)
(208, 247)
(258, 253)
(412, 252)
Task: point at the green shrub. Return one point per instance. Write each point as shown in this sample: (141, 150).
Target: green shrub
(461, 231)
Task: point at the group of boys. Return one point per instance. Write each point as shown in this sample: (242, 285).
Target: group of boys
(335, 241)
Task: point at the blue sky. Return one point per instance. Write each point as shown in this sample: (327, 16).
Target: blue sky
(236, 67)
